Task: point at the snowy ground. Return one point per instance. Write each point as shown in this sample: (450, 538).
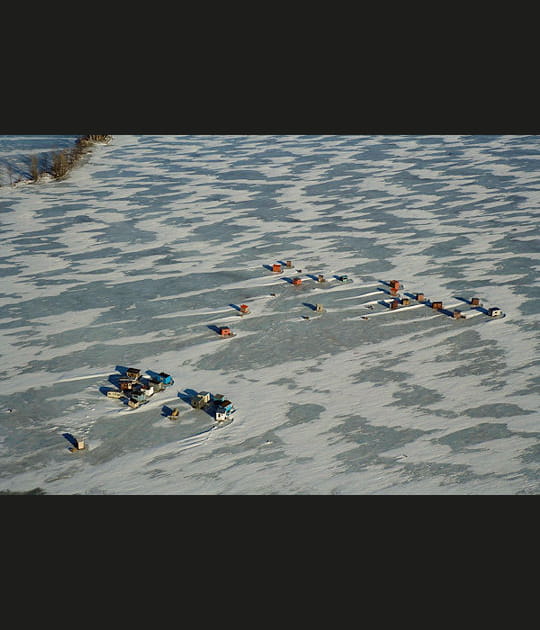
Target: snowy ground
(154, 240)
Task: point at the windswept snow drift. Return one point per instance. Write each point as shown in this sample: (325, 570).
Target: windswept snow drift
(154, 241)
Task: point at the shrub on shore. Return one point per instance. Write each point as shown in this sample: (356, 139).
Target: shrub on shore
(59, 163)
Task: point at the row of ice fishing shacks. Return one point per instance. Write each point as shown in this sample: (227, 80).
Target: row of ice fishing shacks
(492, 311)
(278, 268)
(395, 285)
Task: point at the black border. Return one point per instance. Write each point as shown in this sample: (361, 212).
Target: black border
(479, 102)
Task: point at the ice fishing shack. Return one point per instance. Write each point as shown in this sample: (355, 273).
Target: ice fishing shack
(165, 378)
(223, 410)
(200, 400)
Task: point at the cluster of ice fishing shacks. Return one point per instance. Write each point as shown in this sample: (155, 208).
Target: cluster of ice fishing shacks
(222, 408)
(137, 389)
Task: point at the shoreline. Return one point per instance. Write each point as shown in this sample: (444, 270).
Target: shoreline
(51, 165)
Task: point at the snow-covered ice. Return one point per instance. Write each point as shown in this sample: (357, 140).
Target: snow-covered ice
(145, 248)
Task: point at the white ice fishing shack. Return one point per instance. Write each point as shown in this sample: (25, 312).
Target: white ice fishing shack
(223, 410)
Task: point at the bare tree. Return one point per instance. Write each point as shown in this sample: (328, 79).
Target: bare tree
(34, 168)
(60, 164)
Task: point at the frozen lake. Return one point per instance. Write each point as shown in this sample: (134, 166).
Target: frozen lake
(154, 241)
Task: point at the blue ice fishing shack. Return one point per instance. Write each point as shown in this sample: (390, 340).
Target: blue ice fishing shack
(166, 379)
